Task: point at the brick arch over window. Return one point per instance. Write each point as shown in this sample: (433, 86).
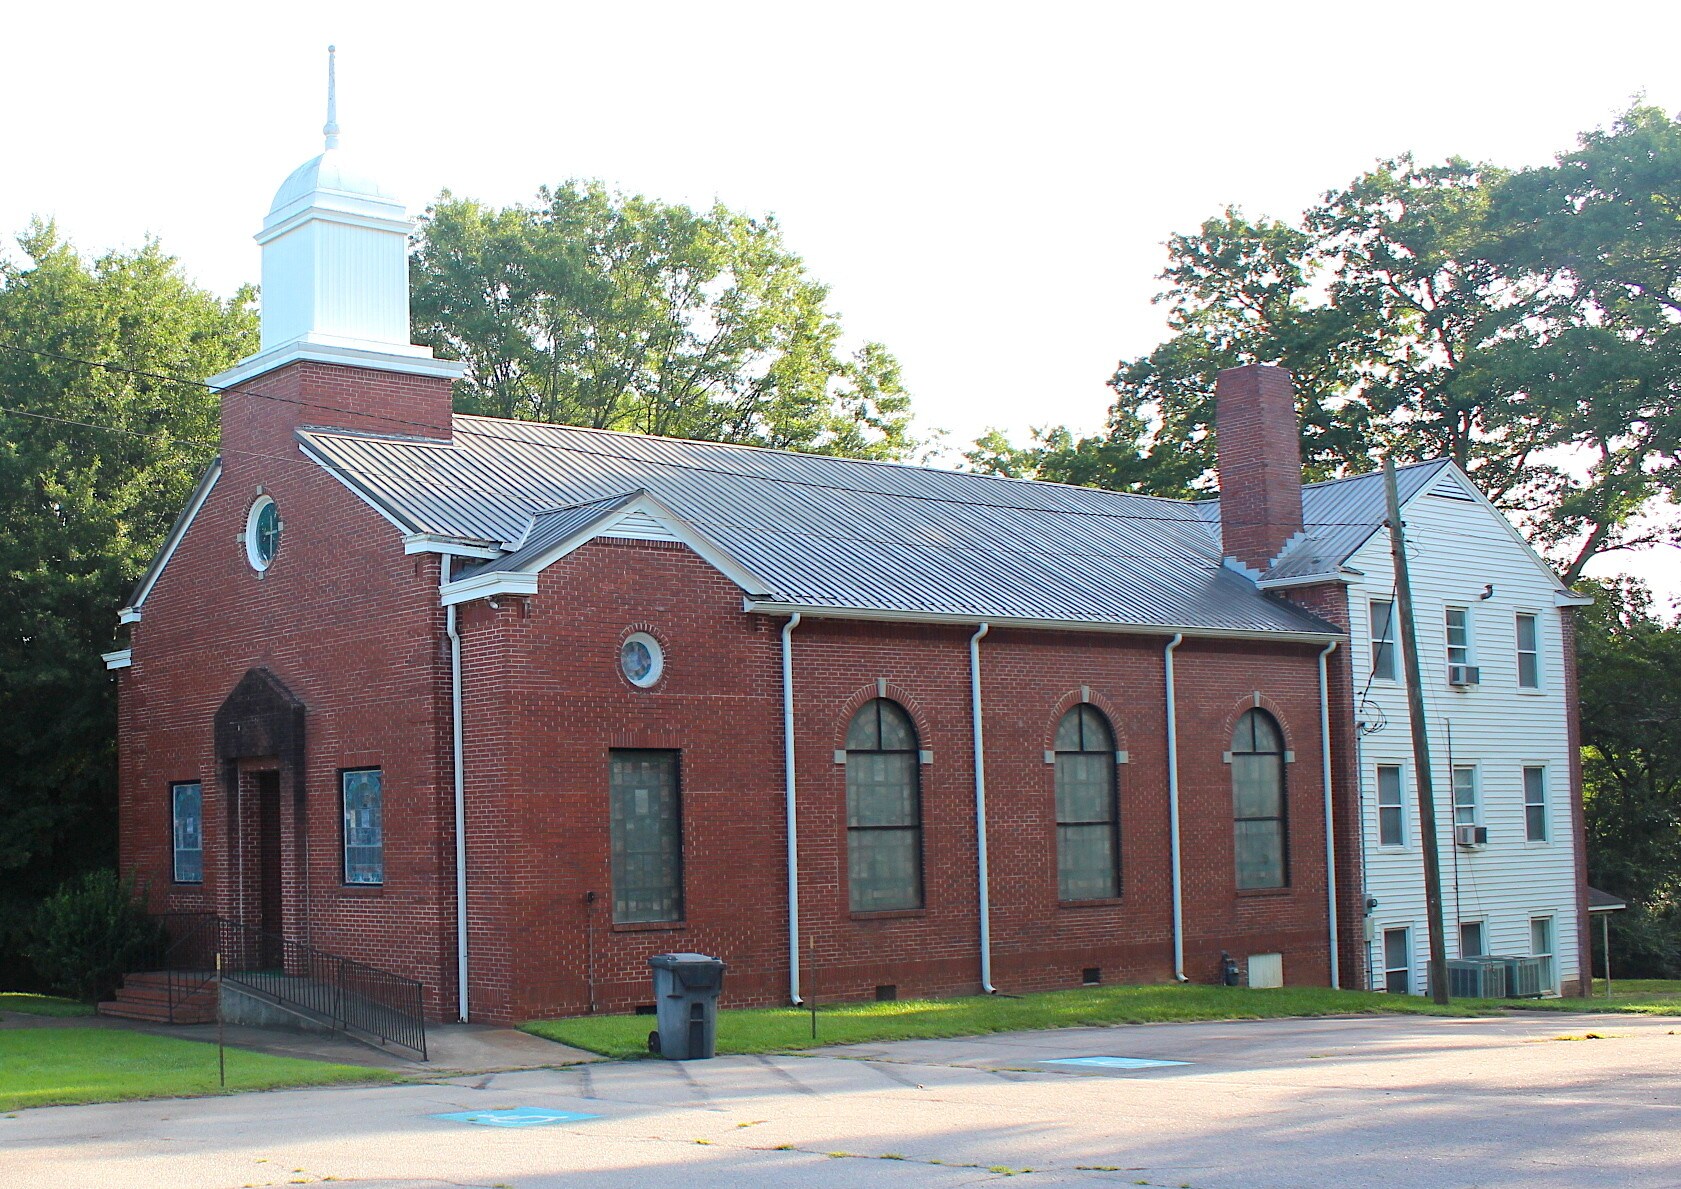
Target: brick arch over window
(1258, 701)
(1075, 697)
(883, 688)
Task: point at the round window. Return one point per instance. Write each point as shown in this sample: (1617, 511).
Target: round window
(641, 660)
(262, 533)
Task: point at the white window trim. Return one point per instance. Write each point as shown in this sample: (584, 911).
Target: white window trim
(1383, 951)
(1377, 801)
(1394, 642)
(1540, 686)
(1459, 936)
(1552, 986)
(1476, 794)
(1546, 803)
(1470, 636)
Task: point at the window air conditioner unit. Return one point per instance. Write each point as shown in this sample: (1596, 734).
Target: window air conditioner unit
(1464, 675)
(1471, 835)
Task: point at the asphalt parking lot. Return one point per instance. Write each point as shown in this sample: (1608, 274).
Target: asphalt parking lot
(1530, 1100)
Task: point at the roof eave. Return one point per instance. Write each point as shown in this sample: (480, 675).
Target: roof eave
(884, 615)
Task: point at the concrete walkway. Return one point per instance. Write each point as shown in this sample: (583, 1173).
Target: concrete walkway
(454, 1049)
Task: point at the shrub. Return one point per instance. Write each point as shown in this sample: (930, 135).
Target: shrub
(90, 932)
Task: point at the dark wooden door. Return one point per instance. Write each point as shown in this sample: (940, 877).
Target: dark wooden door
(268, 864)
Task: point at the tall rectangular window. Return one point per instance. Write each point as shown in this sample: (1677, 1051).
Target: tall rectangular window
(1541, 946)
(1391, 825)
(1471, 943)
(1383, 639)
(1465, 796)
(1397, 961)
(1529, 652)
(1459, 635)
(362, 790)
(1535, 804)
(187, 811)
(647, 837)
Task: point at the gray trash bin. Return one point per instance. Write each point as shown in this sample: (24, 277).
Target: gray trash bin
(686, 990)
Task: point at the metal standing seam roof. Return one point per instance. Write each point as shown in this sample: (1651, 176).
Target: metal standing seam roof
(1338, 517)
(828, 532)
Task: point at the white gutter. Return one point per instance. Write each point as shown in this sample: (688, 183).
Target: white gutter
(460, 796)
(767, 606)
(1173, 811)
(793, 826)
(1330, 822)
(980, 806)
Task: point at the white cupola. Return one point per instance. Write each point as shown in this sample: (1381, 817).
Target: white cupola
(335, 268)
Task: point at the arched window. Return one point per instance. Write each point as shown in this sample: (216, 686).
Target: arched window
(1258, 802)
(1088, 850)
(883, 810)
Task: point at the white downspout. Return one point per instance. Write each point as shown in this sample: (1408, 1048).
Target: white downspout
(980, 806)
(1173, 812)
(1330, 821)
(458, 739)
(788, 792)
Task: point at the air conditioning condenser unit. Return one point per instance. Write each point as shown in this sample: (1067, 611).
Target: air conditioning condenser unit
(1471, 836)
(1464, 675)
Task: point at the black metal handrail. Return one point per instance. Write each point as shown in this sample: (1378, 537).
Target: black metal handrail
(347, 995)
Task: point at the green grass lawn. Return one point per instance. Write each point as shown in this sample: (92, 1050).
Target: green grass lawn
(42, 1005)
(63, 1066)
(762, 1030)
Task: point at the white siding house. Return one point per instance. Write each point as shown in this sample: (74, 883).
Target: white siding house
(1491, 649)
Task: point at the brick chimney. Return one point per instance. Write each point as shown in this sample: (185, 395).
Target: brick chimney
(1259, 461)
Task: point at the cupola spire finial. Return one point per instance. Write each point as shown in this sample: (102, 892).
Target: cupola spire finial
(331, 128)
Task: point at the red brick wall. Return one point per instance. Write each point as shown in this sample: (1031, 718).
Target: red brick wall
(545, 704)
(1578, 825)
(1329, 601)
(352, 627)
(1259, 461)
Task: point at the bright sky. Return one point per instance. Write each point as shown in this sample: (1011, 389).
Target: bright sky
(986, 188)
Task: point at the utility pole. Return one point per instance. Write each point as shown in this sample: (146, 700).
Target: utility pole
(1421, 739)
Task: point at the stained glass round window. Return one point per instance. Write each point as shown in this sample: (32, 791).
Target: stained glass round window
(641, 659)
(262, 533)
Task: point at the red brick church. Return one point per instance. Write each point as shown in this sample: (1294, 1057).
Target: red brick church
(506, 707)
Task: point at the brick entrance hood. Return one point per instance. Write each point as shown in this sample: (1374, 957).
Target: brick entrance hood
(1259, 461)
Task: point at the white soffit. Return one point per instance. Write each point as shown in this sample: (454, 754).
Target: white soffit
(183, 522)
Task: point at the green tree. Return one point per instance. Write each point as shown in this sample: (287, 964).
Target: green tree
(1526, 325)
(621, 312)
(1630, 665)
(94, 466)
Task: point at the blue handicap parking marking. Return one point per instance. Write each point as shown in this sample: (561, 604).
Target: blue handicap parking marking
(1114, 1062)
(518, 1116)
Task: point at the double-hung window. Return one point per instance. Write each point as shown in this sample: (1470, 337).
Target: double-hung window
(1391, 821)
(1397, 961)
(646, 829)
(1465, 796)
(187, 814)
(1535, 804)
(1541, 947)
(1471, 941)
(1459, 635)
(1529, 651)
(883, 810)
(1384, 665)
(362, 791)
(1088, 861)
